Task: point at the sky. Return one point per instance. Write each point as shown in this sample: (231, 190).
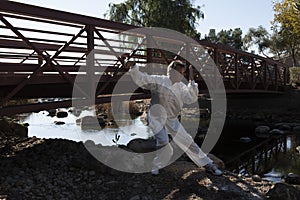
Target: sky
(218, 14)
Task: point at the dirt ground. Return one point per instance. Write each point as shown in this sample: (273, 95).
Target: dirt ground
(33, 168)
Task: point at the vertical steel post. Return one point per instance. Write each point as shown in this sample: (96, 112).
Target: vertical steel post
(236, 71)
(90, 65)
(252, 74)
(265, 76)
(149, 51)
(276, 76)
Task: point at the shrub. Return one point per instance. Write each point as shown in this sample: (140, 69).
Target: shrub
(294, 74)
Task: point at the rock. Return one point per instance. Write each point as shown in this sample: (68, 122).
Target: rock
(13, 129)
(59, 123)
(5, 126)
(276, 132)
(19, 130)
(26, 124)
(61, 114)
(136, 197)
(283, 191)
(92, 123)
(292, 178)
(76, 112)
(92, 173)
(296, 130)
(142, 145)
(258, 117)
(78, 121)
(245, 139)
(110, 123)
(298, 149)
(256, 178)
(104, 116)
(262, 131)
(89, 143)
(284, 127)
(52, 112)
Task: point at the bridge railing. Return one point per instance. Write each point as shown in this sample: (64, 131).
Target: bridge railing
(43, 51)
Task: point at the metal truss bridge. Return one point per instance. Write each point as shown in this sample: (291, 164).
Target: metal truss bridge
(43, 52)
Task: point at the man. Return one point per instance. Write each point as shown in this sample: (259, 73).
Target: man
(169, 94)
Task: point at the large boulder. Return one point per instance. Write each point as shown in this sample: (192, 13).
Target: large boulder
(19, 129)
(61, 114)
(142, 145)
(262, 131)
(92, 123)
(5, 126)
(296, 130)
(12, 128)
(292, 178)
(276, 132)
(282, 191)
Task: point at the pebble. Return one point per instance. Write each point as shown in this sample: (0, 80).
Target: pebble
(136, 197)
(149, 189)
(92, 173)
(256, 178)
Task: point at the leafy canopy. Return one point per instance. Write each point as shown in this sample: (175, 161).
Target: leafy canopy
(287, 24)
(179, 15)
(229, 37)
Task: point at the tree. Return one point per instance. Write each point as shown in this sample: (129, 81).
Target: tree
(179, 15)
(229, 37)
(236, 38)
(212, 37)
(259, 37)
(287, 24)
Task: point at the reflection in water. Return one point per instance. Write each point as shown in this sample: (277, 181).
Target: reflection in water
(43, 126)
(288, 162)
(271, 158)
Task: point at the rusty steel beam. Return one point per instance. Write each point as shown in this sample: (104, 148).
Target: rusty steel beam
(17, 44)
(40, 68)
(61, 16)
(122, 64)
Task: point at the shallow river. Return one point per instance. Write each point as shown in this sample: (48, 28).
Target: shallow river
(43, 126)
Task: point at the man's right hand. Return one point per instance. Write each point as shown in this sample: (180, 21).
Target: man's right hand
(191, 73)
(129, 64)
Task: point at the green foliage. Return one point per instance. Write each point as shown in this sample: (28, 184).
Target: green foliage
(229, 37)
(259, 37)
(294, 74)
(287, 24)
(179, 15)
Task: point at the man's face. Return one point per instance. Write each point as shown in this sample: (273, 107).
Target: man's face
(176, 75)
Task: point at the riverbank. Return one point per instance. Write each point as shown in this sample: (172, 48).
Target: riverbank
(33, 168)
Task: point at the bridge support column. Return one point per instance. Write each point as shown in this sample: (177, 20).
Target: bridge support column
(90, 63)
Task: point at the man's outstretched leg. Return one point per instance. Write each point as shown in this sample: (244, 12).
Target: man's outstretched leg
(164, 151)
(187, 144)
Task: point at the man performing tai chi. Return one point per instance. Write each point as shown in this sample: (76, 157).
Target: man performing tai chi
(169, 94)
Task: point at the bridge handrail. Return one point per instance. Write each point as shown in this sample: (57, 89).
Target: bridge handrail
(61, 16)
(78, 19)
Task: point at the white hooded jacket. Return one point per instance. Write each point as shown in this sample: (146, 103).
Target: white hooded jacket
(170, 98)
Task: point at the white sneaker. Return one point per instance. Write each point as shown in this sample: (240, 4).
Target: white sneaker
(211, 168)
(155, 172)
